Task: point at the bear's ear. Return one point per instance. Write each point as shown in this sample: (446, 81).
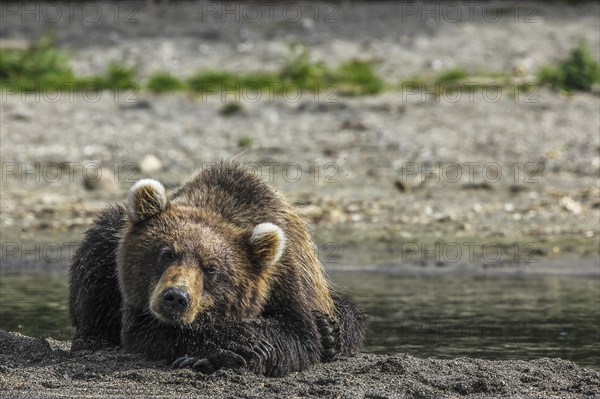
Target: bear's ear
(267, 243)
(147, 198)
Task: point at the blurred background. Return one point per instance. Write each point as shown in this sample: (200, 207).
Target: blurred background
(446, 154)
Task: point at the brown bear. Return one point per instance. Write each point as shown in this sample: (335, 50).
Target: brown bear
(222, 273)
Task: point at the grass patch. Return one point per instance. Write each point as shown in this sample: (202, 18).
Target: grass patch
(579, 71)
(216, 81)
(245, 141)
(117, 77)
(162, 82)
(211, 81)
(35, 68)
(451, 76)
(353, 77)
(457, 79)
(43, 67)
(412, 83)
(305, 74)
(358, 78)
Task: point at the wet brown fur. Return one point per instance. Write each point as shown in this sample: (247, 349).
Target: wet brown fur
(201, 239)
(261, 203)
(206, 211)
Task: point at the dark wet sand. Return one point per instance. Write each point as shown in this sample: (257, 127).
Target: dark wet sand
(40, 368)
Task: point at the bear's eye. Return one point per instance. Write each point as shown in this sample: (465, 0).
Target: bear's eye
(210, 268)
(167, 255)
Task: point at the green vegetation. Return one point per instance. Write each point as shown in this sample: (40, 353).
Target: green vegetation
(414, 82)
(353, 77)
(213, 81)
(245, 141)
(43, 67)
(162, 82)
(37, 67)
(579, 71)
(305, 74)
(357, 78)
(117, 77)
(451, 76)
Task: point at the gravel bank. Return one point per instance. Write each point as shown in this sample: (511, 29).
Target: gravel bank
(370, 173)
(528, 172)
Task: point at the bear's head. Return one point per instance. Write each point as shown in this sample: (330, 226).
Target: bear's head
(179, 262)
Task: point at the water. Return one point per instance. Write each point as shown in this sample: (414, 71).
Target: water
(494, 317)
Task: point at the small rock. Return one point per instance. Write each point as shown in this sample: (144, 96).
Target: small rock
(21, 116)
(136, 104)
(516, 188)
(570, 205)
(336, 216)
(402, 186)
(508, 207)
(523, 66)
(311, 211)
(353, 125)
(101, 179)
(51, 199)
(150, 164)
(443, 218)
(517, 216)
(352, 208)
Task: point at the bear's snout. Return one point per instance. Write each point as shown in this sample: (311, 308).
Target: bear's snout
(177, 296)
(175, 301)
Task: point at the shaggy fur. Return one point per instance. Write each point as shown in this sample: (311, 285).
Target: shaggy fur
(258, 297)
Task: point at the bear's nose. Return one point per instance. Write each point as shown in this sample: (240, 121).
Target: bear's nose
(175, 300)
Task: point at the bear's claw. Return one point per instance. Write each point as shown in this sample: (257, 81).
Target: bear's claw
(214, 360)
(263, 349)
(328, 331)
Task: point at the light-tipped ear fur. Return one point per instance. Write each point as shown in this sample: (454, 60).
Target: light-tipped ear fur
(267, 242)
(147, 198)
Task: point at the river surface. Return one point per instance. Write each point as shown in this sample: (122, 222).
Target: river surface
(492, 317)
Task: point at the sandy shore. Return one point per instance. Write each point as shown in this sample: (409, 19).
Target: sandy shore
(40, 368)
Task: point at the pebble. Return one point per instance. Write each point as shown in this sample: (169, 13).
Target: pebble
(101, 181)
(569, 204)
(311, 211)
(150, 164)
